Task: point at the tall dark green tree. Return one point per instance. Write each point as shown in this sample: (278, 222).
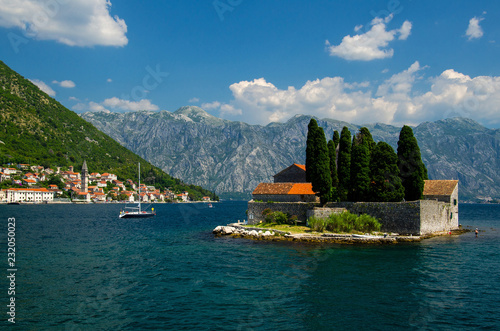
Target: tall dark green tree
(411, 168)
(318, 161)
(312, 128)
(367, 138)
(385, 183)
(344, 164)
(336, 138)
(360, 167)
(332, 153)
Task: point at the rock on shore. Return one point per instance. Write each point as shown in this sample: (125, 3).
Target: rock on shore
(239, 231)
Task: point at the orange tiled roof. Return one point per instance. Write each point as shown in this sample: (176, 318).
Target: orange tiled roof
(283, 188)
(301, 188)
(439, 187)
(301, 166)
(29, 189)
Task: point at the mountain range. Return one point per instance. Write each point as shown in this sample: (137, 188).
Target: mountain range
(232, 157)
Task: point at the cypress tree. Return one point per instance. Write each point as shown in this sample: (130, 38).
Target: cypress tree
(332, 153)
(344, 163)
(310, 148)
(367, 138)
(336, 139)
(385, 183)
(318, 161)
(412, 170)
(360, 167)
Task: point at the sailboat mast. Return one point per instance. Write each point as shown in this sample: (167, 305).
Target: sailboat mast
(139, 187)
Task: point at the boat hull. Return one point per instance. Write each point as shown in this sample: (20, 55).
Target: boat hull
(136, 215)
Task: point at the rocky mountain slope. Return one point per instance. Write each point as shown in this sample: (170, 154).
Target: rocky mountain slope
(233, 157)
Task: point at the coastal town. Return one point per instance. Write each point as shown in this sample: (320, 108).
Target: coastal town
(25, 183)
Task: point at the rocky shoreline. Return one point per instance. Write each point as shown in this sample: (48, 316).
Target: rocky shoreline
(238, 231)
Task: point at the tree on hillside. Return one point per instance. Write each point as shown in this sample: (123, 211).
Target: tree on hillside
(317, 161)
(384, 172)
(332, 153)
(360, 168)
(411, 168)
(344, 163)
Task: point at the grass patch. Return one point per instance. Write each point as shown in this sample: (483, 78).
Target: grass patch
(282, 227)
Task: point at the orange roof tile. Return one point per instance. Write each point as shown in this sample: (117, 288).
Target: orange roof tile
(301, 188)
(301, 166)
(273, 188)
(439, 187)
(29, 189)
(283, 188)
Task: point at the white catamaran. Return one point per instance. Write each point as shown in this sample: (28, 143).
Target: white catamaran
(136, 212)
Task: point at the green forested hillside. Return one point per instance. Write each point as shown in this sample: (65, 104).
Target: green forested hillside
(36, 129)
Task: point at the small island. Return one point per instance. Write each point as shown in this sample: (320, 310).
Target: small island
(352, 189)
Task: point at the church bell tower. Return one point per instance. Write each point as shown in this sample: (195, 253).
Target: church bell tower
(85, 177)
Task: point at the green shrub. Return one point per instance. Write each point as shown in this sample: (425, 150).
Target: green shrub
(316, 224)
(280, 217)
(266, 211)
(345, 223)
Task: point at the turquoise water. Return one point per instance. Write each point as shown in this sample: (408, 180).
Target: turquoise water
(80, 267)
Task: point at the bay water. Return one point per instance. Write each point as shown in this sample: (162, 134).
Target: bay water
(80, 267)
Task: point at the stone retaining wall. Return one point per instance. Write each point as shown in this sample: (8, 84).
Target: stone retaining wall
(398, 217)
(415, 218)
(420, 217)
(299, 209)
(321, 212)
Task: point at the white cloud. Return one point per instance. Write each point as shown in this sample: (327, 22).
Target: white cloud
(394, 101)
(75, 23)
(194, 100)
(73, 99)
(44, 87)
(116, 104)
(126, 105)
(94, 106)
(109, 80)
(65, 83)
(211, 105)
(474, 31)
(405, 30)
(227, 109)
(372, 44)
(400, 83)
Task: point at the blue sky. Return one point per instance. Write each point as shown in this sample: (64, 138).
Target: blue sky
(396, 62)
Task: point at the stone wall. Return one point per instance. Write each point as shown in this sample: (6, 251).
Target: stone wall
(299, 209)
(292, 174)
(321, 212)
(397, 217)
(437, 216)
(421, 217)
